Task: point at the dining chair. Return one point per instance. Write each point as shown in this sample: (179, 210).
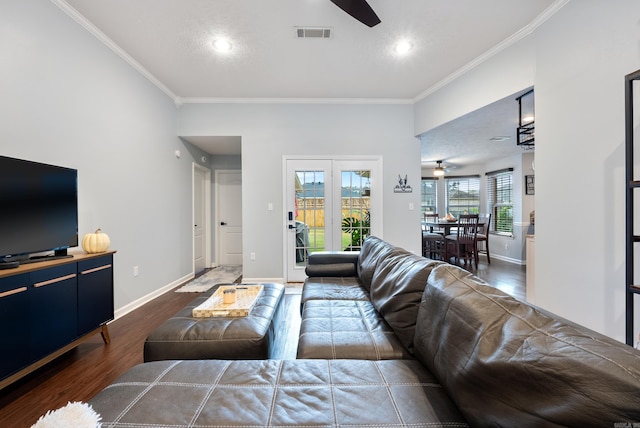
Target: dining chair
(463, 245)
(484, 225)
(433, 245)
(433, 218)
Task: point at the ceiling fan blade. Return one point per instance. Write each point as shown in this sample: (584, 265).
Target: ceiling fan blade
(360, 10)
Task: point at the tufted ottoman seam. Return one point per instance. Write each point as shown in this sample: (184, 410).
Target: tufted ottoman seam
(206, 397)
(390, 394)
(333, 397)
(144, 391)
(275, 394)
(333, 344)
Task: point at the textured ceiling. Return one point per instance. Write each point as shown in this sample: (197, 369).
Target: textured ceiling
(170, 42)
(468, 139)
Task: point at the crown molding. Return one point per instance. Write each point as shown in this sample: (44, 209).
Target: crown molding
(204, 100)
(519, 35)
(179, 101)
(76, 16)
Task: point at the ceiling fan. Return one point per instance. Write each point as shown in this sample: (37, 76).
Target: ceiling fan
(360, 10)
(439, 170)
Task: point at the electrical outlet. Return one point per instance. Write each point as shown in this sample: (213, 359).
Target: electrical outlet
(252, 256)
(135, 271)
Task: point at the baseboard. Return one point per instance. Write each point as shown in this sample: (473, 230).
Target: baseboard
(506, 259)
(120, 312)
(276, 280)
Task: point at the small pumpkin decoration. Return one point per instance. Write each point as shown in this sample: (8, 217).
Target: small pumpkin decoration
(97, 242)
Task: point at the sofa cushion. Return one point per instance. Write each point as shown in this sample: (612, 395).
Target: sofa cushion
(332, 329)
(373, 250)
(274, 393)
(396, 290)
(508, 363)
(333, 288)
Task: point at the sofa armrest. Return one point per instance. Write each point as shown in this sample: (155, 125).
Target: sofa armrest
(332, 263)
(330, 257)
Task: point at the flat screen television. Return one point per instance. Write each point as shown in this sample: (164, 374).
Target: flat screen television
(38, 210)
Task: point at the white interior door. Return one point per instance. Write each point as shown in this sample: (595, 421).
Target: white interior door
(229, 203)
(331, 204)
(201, 218)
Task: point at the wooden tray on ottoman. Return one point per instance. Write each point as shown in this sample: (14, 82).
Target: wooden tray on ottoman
(214, 306)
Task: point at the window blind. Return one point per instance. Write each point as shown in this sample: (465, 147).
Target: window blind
(500, 200)
(428, 195)
(463, 195)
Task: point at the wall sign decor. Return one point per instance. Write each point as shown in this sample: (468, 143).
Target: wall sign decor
(402, 186)
(530, 188)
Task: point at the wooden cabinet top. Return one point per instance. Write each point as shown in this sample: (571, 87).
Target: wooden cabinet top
(30, 267)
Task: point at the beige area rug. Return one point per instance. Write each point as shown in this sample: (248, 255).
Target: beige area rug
(226, 274)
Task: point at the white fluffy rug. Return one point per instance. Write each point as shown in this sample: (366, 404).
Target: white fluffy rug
(226, 274)
(73, 415)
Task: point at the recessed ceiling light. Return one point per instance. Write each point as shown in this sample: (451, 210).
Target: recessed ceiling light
(222, 45)
(402, 47)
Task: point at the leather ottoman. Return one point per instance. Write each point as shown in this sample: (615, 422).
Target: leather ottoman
(184, 337)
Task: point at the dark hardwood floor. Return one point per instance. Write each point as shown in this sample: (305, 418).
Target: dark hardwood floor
(505, 276)
(82, 372)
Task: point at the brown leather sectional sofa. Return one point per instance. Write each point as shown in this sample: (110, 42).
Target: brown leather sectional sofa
(472, 356)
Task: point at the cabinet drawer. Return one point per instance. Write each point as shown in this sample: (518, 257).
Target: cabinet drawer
(88, 266)
(13, 284)
(52, 275)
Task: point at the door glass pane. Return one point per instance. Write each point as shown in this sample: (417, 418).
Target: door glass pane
(309, 215)
(356, 208)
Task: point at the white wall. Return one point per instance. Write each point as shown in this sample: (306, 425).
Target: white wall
(507, 72)
(577, 61)
(271, 131)
(583, 54)
(68, 100)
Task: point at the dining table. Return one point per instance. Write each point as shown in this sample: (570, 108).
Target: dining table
(445, 225)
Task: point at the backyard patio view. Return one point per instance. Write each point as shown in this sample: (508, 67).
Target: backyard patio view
(355, 224)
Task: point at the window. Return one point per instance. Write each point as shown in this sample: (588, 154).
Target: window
(500, 200)
(428, 195)
(463, 195)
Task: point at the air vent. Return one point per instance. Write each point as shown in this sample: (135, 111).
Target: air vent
(313, 33)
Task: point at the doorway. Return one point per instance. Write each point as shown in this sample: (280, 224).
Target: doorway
(229, 216)
(201, 178)
(330, 204)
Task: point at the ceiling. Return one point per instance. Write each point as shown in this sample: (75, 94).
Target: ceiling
(170, 41)
(475, 138)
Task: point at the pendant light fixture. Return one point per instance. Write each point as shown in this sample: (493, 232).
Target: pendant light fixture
(438, 170)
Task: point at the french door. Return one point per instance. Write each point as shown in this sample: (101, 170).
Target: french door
(331, 204)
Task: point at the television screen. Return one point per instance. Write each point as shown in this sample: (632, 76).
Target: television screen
(38, 207)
